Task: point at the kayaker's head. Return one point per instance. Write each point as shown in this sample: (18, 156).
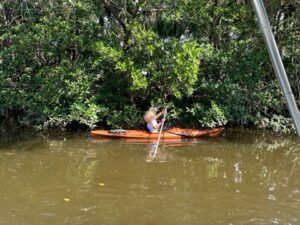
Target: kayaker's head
(149, 116)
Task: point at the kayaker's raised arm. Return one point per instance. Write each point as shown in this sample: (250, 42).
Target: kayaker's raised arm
(160, 114)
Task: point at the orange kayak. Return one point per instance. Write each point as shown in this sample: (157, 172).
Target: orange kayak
(173, 133)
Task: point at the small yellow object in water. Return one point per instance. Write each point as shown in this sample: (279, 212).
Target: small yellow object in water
(101, 184)
(66, 199)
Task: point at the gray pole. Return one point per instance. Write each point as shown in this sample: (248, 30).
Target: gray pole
(265, 27)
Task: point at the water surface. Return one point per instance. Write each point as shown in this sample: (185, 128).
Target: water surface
(243, 177)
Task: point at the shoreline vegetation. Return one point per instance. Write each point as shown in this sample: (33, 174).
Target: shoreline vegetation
(103, 63)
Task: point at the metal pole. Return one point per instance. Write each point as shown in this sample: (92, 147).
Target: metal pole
(270, 42)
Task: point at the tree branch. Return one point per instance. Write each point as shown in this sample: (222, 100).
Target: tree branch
(107, 7)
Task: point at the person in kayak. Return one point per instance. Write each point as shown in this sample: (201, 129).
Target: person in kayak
(151, 119)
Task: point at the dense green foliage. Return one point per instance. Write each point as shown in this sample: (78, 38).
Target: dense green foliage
(104, 62)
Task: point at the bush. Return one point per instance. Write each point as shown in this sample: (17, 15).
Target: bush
(127, 117)
(212, 116)
(278, 123)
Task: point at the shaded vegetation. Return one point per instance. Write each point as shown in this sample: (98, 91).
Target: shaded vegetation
(104, 62)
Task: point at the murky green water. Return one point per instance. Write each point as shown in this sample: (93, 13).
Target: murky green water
(242, 178)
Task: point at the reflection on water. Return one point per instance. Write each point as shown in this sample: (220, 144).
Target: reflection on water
(241, 178)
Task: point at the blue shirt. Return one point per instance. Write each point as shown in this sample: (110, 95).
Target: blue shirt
(150, 126)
